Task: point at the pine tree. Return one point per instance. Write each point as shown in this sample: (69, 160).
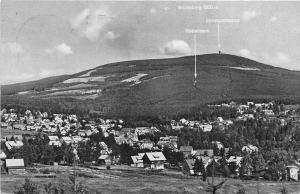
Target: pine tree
(246, 165)
(197, 166)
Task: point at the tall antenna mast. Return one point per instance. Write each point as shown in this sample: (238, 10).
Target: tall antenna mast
(195, 53)
(219, 42)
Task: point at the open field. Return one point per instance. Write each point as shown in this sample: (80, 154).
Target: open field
(123, 179)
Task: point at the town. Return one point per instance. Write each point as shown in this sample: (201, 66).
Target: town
(252, 141)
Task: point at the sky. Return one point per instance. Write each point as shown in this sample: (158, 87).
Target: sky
(47, 38)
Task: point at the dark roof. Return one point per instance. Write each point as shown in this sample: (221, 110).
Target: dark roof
(186, 148)
(201, 152)
(190, 163)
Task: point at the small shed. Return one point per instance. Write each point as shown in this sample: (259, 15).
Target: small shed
(15, 166)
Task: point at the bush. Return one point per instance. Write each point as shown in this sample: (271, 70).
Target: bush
(241, 190)
(27, 188)
(46, 171)
(284, 190)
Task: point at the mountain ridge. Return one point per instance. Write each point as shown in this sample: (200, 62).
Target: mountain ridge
(159, 86)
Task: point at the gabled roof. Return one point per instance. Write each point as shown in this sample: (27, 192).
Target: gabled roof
(66, 138)
(190, 163)
(77, 138)
(206, 160)
(103, 144)
(104, 157)
(2, 154)
(54, 143)
(146, 141)
(250, 148)
(12, 144)
(293, 166)
(201, 152)
(155, 156)
(137, 159)
(53, 138)
(141, 154)
(14, 162)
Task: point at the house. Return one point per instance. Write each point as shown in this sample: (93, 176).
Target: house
(66, 140)
(226, 150)
(104, 160)
(205, 159)
(138, 160)
(154, 160)
(176, 127)
(14, 138)
(13, 144)
(2, 155)
(82, 133)
(250, 148)
(188, 167)
(143, 130)
(203, 152)
(186, 150)
(205, 127)
(268, 112)
(184, 121)
(169, 141)
(15, 166)
(292, 172)
(63, 132)
(218, 144)
(19, 127)
(54, 140)
(103, 145)
(127, 130)
(234, 163)
(120, 140)
(77, 139)
(3, 125)
(146, 144)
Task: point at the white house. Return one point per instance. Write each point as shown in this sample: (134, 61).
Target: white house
(236, 160)
(250, 148)
(292, 172)
(154, 160)
(137, 161)
(66, 140)
(13, 144)
(15, 166)
(205, 127)
(77, 139)
(54, 140)
(146, 144)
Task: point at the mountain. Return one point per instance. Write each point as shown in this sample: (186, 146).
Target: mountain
(156, 86)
